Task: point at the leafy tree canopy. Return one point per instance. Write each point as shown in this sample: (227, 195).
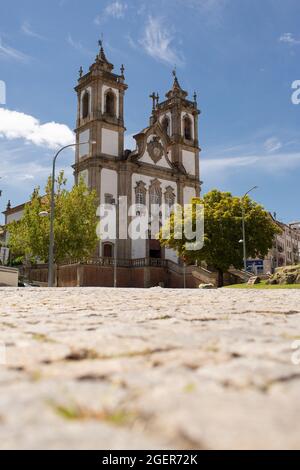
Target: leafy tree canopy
(223, 231)
(74, 226)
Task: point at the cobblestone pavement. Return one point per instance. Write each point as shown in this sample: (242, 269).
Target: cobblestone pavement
(149, 369)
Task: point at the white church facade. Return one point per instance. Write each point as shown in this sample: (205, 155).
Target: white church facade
(164, 167)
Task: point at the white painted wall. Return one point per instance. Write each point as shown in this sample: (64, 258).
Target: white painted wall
(147, 159)
(138, 250)
(84, 137)
(109, 185)
(171, 255)
(189, 162)
(85, 176)
(12, 218)
(15, 217)
(9, 277)
(110, 142)
(116, 92)
(188, 195)
(183, 114)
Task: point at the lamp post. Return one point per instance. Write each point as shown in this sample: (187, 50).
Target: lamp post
(184, 272)
(244, 230)
(52, 209)
(115, 202)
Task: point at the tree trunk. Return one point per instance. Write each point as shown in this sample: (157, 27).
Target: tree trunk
(220, 278)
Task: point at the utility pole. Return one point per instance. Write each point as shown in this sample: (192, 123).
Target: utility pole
(115, 203)
(244, 229)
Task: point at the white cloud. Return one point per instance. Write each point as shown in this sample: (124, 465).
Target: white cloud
(205, 4)
(212, 11)
(272, 145)
(7, 52)
(223, 164)
(288, 38)
(115, 10)
(26, 29)
(16, 125)
(78, 46)
(24, 167)
(158, 42)
(268, 163)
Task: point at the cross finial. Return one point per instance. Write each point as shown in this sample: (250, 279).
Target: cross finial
(195, 97)
(153, 97)
(174, 72)
(157, 99)
(122, 70)
(80, 72)
(101, 40)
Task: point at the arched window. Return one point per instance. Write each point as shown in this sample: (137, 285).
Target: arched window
(170, 197)
(166, 125)
(108, 250)
(187, 125)
(110, 103)
(155, 193)
(140, 194)
(85, 105)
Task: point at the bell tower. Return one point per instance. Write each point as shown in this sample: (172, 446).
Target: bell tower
(178, 116)
(100, 116)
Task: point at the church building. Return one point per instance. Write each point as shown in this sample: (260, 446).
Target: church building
(164, 167)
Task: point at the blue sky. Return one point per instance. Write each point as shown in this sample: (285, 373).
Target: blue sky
(241, 56)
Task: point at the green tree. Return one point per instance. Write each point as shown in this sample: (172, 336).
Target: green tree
(74, 226)
(223, 232)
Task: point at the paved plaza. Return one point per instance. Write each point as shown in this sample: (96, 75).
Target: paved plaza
(149, 369)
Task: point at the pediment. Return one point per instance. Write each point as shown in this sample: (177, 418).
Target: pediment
(152, 146)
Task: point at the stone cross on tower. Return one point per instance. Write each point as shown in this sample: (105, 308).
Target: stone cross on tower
(154, 98)
(100, 42)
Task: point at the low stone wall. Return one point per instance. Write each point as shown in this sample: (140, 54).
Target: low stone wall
(8, 277)
(94, 275)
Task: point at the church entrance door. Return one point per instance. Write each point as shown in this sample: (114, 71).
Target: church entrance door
(155, 249)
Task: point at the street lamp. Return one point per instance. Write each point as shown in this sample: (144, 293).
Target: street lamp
(244, 230)
(115, 202)
(52, 209)
(184, 271)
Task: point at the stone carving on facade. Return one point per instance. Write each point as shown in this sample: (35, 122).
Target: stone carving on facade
(170, 197)
(155, 149)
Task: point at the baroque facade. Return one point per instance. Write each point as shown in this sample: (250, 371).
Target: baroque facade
(164, 167)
